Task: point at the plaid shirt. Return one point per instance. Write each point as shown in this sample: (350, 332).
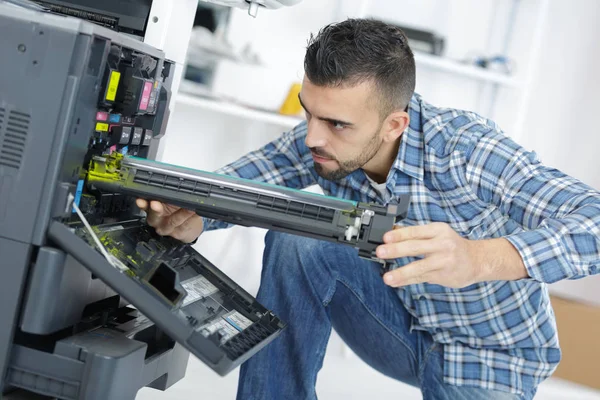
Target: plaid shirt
(460, 169)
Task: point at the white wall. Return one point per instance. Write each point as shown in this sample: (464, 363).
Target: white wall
(561, 123)
(280, 36)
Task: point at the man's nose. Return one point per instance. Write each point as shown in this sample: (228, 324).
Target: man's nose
(316, 136)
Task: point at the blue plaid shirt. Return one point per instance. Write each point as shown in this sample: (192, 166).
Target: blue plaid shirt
(460, 169)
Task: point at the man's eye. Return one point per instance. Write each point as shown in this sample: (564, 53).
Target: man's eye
(338, 126)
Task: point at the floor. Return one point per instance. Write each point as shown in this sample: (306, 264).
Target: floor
(343, 377)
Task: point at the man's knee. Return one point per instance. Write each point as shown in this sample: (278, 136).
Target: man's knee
(292, 254)
(289, 245)
(294, 263)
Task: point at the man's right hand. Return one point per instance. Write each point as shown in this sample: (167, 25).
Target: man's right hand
(169, 220)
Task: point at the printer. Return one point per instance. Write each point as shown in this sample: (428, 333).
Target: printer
(95, 305)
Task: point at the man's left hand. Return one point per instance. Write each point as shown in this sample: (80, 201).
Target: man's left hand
(449, 259)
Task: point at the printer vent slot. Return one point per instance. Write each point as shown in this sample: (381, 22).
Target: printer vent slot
(96, 17)
(246, 340)
(295, 208)
(15, 129)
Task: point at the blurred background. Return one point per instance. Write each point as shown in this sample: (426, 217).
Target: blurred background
(530, 65)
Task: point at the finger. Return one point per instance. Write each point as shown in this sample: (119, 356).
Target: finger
(171, 222)
(156, 213)
(157, 207)
(415, 232)
(142, 204)
(415, 272)
(189, 230)
(425, 278)
(409, 248)
(169, 208)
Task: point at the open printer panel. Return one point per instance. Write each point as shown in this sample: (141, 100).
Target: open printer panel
(176, 302)
(173, 286)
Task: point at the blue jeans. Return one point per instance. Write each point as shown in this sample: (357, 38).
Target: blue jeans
(316, 285)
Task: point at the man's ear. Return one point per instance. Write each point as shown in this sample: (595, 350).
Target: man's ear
(395, 125)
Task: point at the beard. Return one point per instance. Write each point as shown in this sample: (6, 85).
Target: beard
(347, 167)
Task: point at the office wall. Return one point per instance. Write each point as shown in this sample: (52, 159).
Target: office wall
(562, 113)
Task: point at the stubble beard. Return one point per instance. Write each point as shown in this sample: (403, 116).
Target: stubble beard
(348, 167)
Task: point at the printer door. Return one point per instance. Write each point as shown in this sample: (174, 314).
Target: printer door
(190, 299)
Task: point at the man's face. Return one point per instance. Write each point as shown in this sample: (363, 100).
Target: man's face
(344, 127)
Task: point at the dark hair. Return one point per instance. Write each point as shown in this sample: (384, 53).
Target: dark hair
(357, 50)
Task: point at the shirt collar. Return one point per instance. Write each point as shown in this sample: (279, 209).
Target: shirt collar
(410, 153)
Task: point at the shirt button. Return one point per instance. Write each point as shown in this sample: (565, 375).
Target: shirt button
(593, 269)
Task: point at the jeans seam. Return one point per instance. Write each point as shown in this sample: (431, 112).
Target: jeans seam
(399, 338)
(424, 363)
(329, 294)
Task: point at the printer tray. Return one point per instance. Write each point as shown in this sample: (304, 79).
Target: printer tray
(190, 299)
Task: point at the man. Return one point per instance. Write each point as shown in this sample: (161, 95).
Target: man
(466, 315)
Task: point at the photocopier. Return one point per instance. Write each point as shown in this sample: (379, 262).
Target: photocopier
(94, 304)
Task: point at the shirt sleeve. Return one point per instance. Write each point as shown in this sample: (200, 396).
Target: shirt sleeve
(280, 162)
(560, 215)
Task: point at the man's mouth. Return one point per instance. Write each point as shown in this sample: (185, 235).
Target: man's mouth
(320, 159)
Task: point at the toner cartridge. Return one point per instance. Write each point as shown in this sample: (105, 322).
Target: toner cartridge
(249, 203)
